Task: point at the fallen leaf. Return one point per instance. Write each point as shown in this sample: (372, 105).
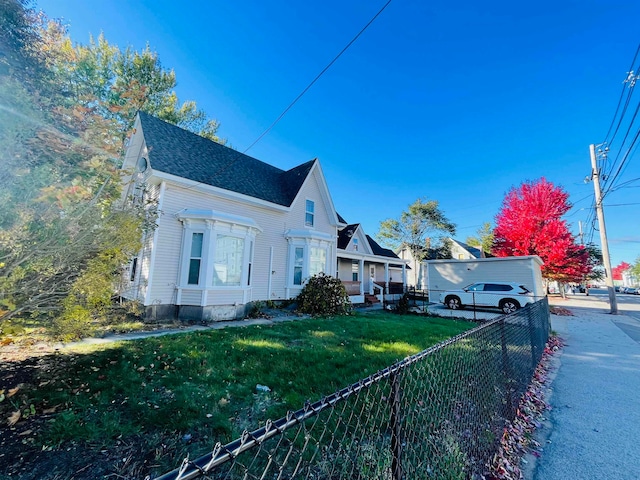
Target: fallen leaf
(50, 410)
(13, 391)
(141, 369)
(14, 417)
(25, 433)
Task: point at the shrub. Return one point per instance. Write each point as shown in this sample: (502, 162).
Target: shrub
(324, 295)
(74, 323)
(402, 307)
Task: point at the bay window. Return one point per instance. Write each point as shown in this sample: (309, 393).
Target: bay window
(217, 250)
(309, 254)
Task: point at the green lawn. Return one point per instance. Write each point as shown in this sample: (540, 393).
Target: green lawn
(204, 384)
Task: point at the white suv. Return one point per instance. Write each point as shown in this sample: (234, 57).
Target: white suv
(506, 296)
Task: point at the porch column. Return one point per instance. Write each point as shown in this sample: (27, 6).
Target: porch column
(404, 277)
(361, 275)
(386, 278)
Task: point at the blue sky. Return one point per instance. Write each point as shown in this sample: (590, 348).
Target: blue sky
(452, 101)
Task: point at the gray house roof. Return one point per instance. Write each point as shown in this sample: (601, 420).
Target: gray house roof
(179, 152)
(344, 235)
(378, 250)
(476, 252)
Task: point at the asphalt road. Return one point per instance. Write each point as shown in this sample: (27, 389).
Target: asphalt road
(627, 304)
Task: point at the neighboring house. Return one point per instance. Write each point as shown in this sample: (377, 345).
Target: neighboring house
(231, 230)
(365, 267)
(418, 277)
(462, 251)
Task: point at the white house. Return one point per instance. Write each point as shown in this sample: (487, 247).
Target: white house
(232, 230)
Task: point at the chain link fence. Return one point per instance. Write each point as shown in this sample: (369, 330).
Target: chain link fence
(467, 305)
(436, 415)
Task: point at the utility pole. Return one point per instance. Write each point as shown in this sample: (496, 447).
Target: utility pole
(613, 302)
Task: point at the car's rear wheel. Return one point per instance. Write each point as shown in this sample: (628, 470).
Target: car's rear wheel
(508, 305)
(453, 302)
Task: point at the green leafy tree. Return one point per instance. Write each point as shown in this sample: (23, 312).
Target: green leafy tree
(63, 231)
(484, 238)
(635, 268)
(596, 265)
(417, 228)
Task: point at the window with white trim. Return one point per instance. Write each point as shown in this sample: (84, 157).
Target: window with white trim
(195, 259)
(309, 213)
(250, 263)
(310, 253)
(228, 260)
(217, 249)
(134, 269)
(298, 265)
(317, 260)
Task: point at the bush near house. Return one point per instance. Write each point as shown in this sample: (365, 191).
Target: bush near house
(324, 295)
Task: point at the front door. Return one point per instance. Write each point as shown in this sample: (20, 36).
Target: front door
(372, 272)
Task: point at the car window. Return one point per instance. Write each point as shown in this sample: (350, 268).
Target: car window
(497, 287)
(524, 289)
(475, 287)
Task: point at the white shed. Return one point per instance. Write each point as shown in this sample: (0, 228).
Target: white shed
(455, 274)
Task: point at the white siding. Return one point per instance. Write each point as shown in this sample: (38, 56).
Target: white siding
(363, 244)
(345, 271)
(274, 223)
(137, 289)
(191, 297)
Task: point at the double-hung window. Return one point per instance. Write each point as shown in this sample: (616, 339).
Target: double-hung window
(309, 213)
(195, 258)
(298, 265)
(228, 261)
(317, 260)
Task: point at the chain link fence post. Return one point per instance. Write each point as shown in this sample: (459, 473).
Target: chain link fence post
(396, 426)
(506, 368)
(532, 338)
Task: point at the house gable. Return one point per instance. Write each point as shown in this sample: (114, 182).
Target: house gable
(353, 239)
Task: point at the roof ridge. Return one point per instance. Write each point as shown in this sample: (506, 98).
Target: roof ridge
(180, 152)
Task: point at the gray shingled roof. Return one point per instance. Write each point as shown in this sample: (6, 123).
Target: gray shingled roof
(378, 250)
(179, 152)
(344, 235)
(476, 252)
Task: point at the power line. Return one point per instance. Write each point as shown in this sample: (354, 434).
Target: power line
(236, 157)
(624, 160)
(627, 85)
(284, 112)
(606, 138)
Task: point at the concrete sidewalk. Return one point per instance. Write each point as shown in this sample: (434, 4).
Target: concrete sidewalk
(594, 428)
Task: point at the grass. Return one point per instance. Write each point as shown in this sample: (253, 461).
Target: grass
(201, 387)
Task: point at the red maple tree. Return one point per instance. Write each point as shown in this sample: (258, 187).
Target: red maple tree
(530, 223)
(617, 271)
